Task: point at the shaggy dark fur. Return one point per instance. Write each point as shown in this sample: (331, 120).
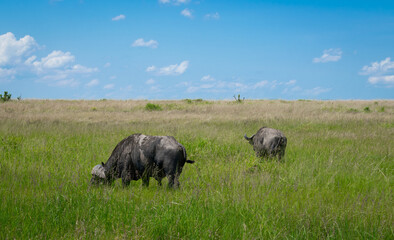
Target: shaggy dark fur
(140, 156)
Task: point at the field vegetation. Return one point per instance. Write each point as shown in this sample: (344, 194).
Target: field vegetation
(336, 181)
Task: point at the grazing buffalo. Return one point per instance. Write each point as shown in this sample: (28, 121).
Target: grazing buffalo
(268, 142)
(141, 156)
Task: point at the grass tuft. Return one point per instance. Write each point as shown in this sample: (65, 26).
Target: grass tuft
(153, 107)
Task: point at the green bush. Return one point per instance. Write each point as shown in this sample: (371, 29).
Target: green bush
(153, 107)
(6, 97)
(352, 110)
(367, 110)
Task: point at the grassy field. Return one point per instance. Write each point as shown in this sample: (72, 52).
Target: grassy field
(336, 181)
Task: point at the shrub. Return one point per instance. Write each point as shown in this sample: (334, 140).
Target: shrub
(189, 101)
(367, 110)
(352, 110)
(153, 107)
(239, 100)
(6, 97)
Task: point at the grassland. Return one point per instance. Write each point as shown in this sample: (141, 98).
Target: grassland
(336, 181)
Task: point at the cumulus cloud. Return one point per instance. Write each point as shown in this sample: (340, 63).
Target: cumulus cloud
(380, 72)
(383, 66)
(175, 69)
(329, 55)
(141, 43)
(107, 65)
(150, 68)
(92, 83)
(55, 59)
(58, 63)
(212, 16)
(12, 50)
(187, 13)
(119, 17)
(58, 68)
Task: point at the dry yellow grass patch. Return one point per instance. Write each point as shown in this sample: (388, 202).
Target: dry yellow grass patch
(134, 110)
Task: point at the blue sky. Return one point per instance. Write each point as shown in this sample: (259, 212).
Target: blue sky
(177, 49)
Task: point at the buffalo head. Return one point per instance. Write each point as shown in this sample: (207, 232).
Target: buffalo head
(99, 175)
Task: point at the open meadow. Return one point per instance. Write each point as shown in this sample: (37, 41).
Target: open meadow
(336, 181)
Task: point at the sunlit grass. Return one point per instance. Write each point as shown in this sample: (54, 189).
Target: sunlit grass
(335, 182)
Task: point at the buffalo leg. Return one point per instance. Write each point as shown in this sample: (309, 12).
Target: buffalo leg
(126, 178)
(146, 175)
(171, 179)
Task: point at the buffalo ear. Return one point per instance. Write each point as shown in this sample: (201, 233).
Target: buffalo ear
(102, 164)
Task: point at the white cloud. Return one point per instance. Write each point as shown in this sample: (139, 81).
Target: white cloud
(12, 50)
(151, 69)
(59, 61)
(55, 59)
(55, 69)
(207, 78)
(4, 72)
(187, 13)
(120, 17)
(380, 72)
(92, 83)
(77, 68)
(260, 84)
(107, 65)
(329, 55)
(175, 69)
(150, 81)
(382, 79)
(212, 16)
(291, 82)
(141, 43)
(383, 66)
(109, 86)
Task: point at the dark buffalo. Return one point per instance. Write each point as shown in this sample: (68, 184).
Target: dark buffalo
(268, 142)
(140, 156)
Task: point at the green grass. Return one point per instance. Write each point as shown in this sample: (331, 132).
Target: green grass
(335, 182)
